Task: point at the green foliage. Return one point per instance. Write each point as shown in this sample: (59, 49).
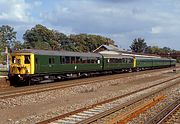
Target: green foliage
(0, 57)
(42, 45)
(166, 50)
(157, 50)
(37, 34)
(39, 37)
(59, 36)
(0, 49)
(17, 45)
(138, 45)
(88, 43)
(7, 37)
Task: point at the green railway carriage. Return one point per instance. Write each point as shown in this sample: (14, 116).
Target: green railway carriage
(66, 62)
(142, 62)
(154, 62)
(39, 63)
(117, 62)
(173, 62)
(161, 62)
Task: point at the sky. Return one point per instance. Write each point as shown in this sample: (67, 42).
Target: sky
(157, 21)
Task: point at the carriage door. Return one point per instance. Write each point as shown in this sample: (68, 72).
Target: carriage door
(36, 65)
(51, 64)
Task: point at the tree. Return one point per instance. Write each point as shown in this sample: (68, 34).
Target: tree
(37, 34)
(42, 45)
(88, 42)
(158, 50)
(40, 37)
(155, 50)
(8, 37)
(17, 45)
(59, 36)
(148, 50)
(0, 49)
(138, 45)
(166, 50)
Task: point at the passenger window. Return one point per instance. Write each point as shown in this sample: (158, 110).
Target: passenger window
(84, 60)
(93, 60)
(62, 59)
(124, 60)
(78, 60)
(18, 61)
(131, 61)
(36, 60)
(13, 59)
(27, 59)
(50, 61)
(110, 60)
(72, 60)
(88, 60)
(127, 60)
(67, 59)
(120, 60)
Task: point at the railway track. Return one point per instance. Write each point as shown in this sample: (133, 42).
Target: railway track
(171, 111)
(99, 110)
(124, 117)
(64, 84)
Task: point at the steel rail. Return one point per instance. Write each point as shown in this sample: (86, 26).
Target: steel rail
(65, 84)
(160, 117)
(97, 106)
(124, 117)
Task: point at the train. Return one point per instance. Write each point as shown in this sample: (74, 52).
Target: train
(30, 65)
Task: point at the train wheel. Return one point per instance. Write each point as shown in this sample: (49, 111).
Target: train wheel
(28, 81)
(14, 80)
(130, 70)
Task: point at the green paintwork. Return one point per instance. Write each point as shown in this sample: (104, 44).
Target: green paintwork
(43, 66)
(161, 62)
(153, 62)
(116, 66)
(144, 62)
(173, 62)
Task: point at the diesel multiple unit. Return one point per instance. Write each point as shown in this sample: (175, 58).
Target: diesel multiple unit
(37, 65)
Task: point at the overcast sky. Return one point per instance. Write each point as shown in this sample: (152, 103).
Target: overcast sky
(157, 21)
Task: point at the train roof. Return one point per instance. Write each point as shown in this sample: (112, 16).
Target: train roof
(138, 55)
(58, 53)
(113, 54)
(109, 52)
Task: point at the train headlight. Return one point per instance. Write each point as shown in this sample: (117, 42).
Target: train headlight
(28, 70)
